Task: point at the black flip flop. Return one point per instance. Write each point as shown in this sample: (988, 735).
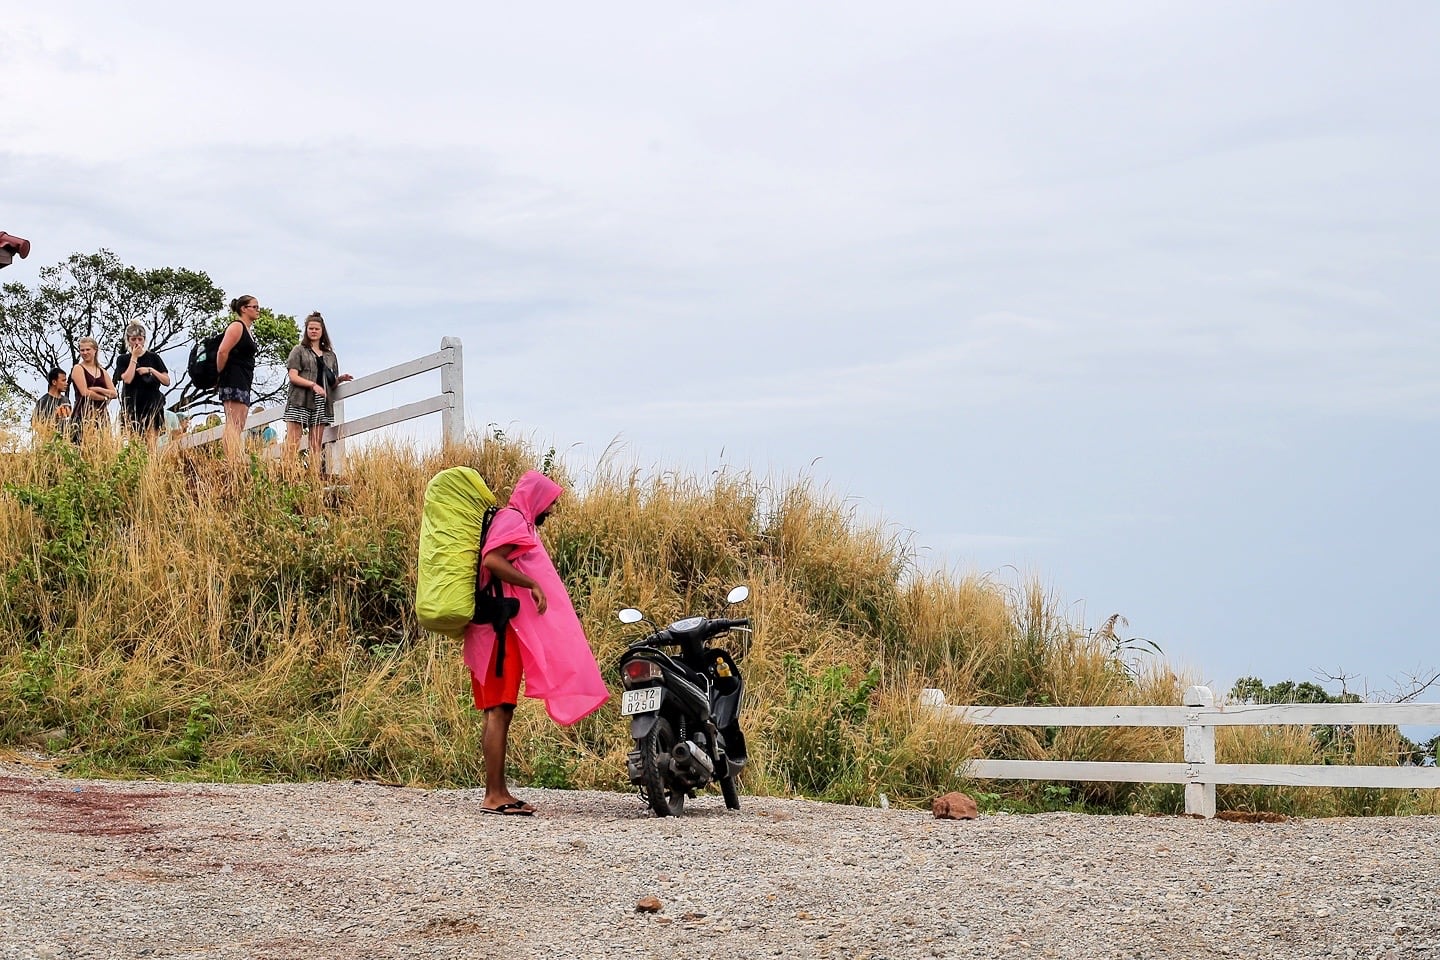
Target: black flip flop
(516, 808)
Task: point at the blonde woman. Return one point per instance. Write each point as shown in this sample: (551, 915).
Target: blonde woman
(93, 388)
(235, 361)
(314, 374)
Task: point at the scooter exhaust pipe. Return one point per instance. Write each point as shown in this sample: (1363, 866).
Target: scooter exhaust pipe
(691, 763)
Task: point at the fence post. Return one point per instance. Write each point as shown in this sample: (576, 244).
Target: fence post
(1199, 752)
(332, 455)
(452, 385)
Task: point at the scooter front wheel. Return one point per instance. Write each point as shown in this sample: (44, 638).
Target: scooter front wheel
(666, 797)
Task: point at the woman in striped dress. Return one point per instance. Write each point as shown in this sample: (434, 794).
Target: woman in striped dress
(314, 374)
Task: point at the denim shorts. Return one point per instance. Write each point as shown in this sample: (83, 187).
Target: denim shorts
(234, 395)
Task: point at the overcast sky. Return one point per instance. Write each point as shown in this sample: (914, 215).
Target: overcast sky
(1133, 296)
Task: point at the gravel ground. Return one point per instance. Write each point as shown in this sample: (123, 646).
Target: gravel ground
(325, 870)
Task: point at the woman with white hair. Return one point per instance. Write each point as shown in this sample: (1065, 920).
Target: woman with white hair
(145, 376)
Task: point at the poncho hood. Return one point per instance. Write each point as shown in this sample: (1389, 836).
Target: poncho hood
(534, 494)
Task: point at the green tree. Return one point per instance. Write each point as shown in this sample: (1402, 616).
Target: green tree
(1254, 690)
(95, 295)
(1335, 740)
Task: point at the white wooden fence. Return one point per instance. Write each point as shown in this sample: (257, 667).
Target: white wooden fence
(449, 403)
(1199, 717)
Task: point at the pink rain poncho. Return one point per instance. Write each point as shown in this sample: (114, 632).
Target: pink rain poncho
(559, 667)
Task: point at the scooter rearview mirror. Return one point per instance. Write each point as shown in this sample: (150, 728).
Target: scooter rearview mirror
(738, 594)
(630, 615)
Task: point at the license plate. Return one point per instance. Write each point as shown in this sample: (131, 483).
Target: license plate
(644, 700)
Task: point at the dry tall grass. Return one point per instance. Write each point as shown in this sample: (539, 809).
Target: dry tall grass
(165, 614)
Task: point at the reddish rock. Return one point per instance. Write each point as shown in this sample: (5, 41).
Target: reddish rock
(648, 905)
(954, 806)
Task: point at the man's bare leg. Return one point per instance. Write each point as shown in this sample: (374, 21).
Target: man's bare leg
(494, 741)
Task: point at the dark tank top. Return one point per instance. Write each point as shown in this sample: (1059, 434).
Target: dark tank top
(85, 408)
(239, 369)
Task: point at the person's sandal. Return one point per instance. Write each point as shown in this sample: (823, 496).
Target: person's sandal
(517, 808)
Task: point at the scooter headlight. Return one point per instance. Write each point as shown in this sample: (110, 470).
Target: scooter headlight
(637, 672)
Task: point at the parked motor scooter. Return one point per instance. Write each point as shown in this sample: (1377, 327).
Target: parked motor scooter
(684, 709)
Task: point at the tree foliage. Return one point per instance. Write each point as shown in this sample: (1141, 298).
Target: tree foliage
(1332, 740)
(96, 295)
(1254, 690)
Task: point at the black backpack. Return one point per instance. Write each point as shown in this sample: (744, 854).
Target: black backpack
(492, 607)
(202, 362)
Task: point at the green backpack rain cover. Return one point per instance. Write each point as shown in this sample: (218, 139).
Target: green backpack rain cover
(450, 525)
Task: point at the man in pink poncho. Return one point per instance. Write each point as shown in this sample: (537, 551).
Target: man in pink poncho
(543, 642)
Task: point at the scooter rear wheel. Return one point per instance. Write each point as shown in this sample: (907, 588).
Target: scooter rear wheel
(665, 796)
(732, 796)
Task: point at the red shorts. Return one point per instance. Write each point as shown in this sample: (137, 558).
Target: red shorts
(492, 691)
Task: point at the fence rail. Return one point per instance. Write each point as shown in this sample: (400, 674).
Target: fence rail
(1199, 717)
(449, 403)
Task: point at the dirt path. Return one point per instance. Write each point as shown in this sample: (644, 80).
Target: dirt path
(329, 870)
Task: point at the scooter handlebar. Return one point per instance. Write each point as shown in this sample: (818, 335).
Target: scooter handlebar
(712, 628)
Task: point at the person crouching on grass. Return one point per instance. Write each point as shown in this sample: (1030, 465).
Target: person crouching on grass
(543, 642)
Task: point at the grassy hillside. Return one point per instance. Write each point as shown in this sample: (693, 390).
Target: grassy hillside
(164, 615)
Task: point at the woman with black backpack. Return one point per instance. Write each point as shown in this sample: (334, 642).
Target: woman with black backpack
(235, 362)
